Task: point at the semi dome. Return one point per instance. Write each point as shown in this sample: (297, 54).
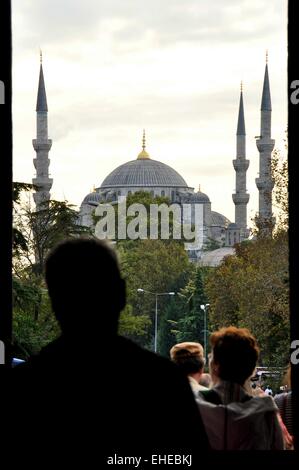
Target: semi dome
(92, 199)
(144, 172)
(219, 219)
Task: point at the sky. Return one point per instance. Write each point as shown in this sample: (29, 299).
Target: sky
(173, 67)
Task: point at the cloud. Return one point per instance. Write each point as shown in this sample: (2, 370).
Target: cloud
(113, 67)
(130, 21)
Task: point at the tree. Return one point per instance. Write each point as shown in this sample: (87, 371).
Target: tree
(212, 244)
(19, 240)
(131, 325)
(191, 325)
(172, 311)
(251, 289)
(281, 194)
(184, 318)
(146, 218)
(42, 230)
(35, 233)
(31, 331)
(155, 266)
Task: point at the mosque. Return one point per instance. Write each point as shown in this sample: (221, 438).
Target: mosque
(146, 174)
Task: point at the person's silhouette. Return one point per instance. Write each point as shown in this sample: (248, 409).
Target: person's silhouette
(92, 392)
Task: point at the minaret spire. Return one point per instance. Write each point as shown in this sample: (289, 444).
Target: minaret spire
(266, 97)
(41, 145)
(240, 197)
(265, 145)
(143, 155)
(241, 120)
(41, 103)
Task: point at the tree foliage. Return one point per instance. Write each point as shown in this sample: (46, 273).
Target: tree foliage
(154, 266)
(280, 194)
(251, 290)
(35, 233)
(41, 231)
(34, 324)
(191, 325)
(145, 217)
(184, 317)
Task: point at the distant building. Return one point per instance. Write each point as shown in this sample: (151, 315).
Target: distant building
(159, 179)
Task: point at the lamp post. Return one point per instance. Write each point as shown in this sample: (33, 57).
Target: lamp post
(204, 308)
(156, 294)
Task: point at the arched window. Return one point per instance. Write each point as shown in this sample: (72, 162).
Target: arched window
(162, 193)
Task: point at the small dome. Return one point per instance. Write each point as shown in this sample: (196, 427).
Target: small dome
(232, 226)
(199, 197)
(92, 199)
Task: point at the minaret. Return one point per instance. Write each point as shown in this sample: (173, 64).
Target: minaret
(265, 146)
(241, 165)
(42, 146)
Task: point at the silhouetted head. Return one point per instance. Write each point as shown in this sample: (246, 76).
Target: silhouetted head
(234, 354)
(85, 286)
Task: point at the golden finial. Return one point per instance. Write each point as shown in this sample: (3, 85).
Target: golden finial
(94, 189)
(143, 154)
(40, 56)
(267, 54)
(199, 188)
(241, 86)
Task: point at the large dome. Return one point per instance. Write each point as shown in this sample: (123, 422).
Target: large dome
(144, 172)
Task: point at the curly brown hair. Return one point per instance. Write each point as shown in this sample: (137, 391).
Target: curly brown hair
(235, 352)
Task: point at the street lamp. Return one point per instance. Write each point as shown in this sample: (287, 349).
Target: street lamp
(204, 308)
(156, 294)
